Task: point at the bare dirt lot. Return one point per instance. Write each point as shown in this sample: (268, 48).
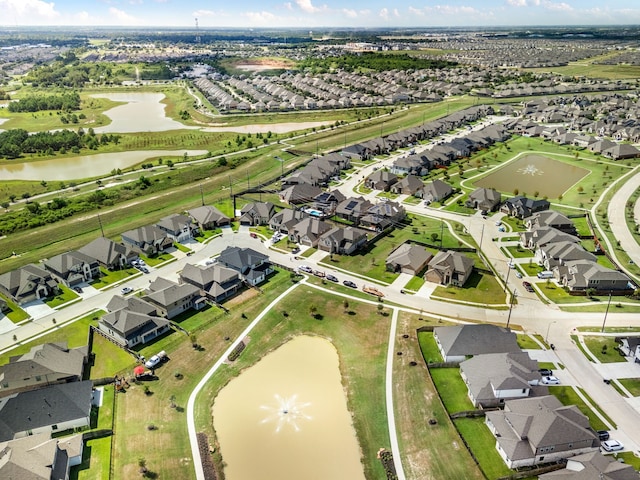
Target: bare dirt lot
(534, 173)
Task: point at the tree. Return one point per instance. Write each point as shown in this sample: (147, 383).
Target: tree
(580, 189)
(516, 191)
(434, 236)
(345, 304)
(172, 400)
(142, 464)
(313, 310)
(379, 307)
(560, 197)
(536, 193)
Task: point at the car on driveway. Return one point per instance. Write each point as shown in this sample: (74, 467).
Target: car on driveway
(545, 372)
(349, 283)
(612, 446)
(550, 380)
(331, 278)
(603, 435)
(126, 290)
(295, 250)
(77, 289)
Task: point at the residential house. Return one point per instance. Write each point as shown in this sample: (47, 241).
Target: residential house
(601, 145)
(540, 237)
(132, 321)
(559, 253)
(531, 431)
(436, 191)
(417, 164)
(592, 465)
(208, 217)
(253, 267)
(327, 202)
(409, 185)
(408, 258)
(382, 215)
(630, 347)
(55, 408)
(621, 151)
(44, 365)
(40, 457)
(214, 281)
(149, 240)
(484, 199)
(109, 254)
(381, 180)
(73, 268)
(493, 378)
(299, 193)
(522, 207)
(359, 151)
(308, 231)
(27, 284)
(449, 268)
(343, 241)
(179, 228)
(286, 219)
(174, 299)
(353, 209)
(457, 342)
(583, 275)
(257, 213)
(551, 218)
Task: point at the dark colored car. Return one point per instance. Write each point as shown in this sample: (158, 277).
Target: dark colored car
(545, 372)
(349, 283)
(77, 289)
(528, 287)
(331, 278)
(603, 435)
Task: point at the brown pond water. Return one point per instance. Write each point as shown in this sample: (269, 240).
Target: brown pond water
(286, 418)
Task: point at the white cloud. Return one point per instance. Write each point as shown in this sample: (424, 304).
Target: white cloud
(307, 6)
(27, 9)
(122, 17)
(453, 10)
(384, 13)
(288, 6)
(416, 12)
(557, 7)
(260, 18)
(349, 13)
(396, 13)
(517, 3)
(136, 2)
(204, 13)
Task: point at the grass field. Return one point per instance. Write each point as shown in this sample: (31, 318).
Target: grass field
(631, 384)
(481, 288)
(604, 349)
(452, 389)
(482, 443)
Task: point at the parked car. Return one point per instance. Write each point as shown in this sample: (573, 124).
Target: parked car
(550, 380)
(528, 287)
(305, 268)
(612, 445)
(295, 250)
(603, 435)
(545, 372)
(78, 289)
(156, 359)
(318, 273)
(126, 290)
(518, 274)
(349, 283)
(253, 235)
(144, 269)
(331, 278)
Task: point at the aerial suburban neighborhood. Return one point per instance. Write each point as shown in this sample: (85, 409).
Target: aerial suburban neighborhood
(326, 254)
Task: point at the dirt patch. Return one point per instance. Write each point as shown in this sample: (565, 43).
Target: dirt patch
(534, 173)
(260, 64)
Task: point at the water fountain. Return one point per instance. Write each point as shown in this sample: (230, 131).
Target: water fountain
(286, 411)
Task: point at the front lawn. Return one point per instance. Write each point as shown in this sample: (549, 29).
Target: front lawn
(414, 284)
(483, 446)
(631, 384)
(108, 277)
(157, 259)
(604, 349)
(517, 251)
(14, 312)
(481, 288)
(452, 389)
(525, 342)
(65, 295)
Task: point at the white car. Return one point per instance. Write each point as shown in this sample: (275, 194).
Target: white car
(518, 274)
(612, 445)
(153, 361)
(126, 290)
(305, 268)
(550, 380)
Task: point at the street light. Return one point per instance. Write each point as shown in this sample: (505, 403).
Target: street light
(546, 337)
(506, 280)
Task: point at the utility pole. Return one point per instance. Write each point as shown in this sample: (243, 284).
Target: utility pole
(605, 313)
(201, 195)
(100, 223)
(513, 299)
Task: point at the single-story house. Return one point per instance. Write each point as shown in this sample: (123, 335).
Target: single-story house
(408, 258)
(436, 191)
(457, 342)
(630, 347)
(343, 241)
(484, 199)
(409, 185)
(257, 213)
(308, 231)
(582, 275)
(531, 431)
(208, 217)
(493, 378)
(299, 193)
(381, 180)
(449, 268)
(592, 465)
(551, 218)
(522, 207)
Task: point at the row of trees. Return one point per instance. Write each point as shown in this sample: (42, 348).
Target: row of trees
(16, 142)
(35, 103)
(373, 61)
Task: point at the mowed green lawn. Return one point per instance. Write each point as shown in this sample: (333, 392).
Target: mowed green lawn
(481, 288)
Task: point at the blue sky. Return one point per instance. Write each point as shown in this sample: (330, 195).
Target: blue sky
(319, 13)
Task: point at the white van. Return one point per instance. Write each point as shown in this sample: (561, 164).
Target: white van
(545, 274)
